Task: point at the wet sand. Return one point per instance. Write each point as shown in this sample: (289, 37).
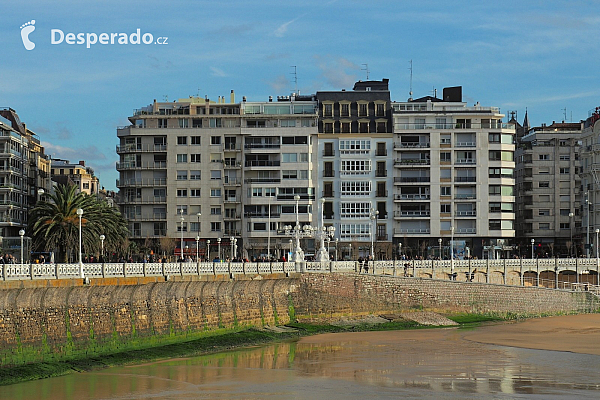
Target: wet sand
(572, 333)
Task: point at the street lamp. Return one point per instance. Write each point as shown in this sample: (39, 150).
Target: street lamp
(571, 228)
(219, 246)
(181, 243)
(197, 247)
(597, 231)
(587, 241)
(198, 216)
(80, 213)
(234, 254)
(21, 233)
(440, 246)
(350, 251)
(102, 237)
(373, 215)
(400, 250)
(452, 250)
(532, 244)
(40, 192)
(208, 250)
(336, 247)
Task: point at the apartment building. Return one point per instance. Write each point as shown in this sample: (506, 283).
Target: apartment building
(590, 182)
(220, 175)
(355, 147)
(548, 186)
(453, 169)
(24, 173)
(64, 172)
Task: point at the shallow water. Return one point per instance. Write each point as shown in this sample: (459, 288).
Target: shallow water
(436, 363)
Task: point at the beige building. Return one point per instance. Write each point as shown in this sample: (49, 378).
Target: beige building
(590, 181)
(549, 195)
(79, 174)
(215, 171)
(453, 178)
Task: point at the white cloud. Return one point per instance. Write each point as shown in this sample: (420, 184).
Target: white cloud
(218, 72)
(282, 29)
(73, 154)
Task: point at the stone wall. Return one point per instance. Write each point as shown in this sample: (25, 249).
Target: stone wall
(72, 319)
(324, 295)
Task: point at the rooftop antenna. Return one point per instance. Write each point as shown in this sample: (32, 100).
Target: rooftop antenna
(411, 92)
(295, 73)
(564, 110)
(198, 93)
(434, 92)
(166, 98)
(366, 68)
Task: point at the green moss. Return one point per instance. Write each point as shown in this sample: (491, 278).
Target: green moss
(291, 309)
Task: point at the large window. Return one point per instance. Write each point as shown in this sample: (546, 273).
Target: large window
(289, 157)
(195, 175)
(181, 140)
(355, 210)
(354, 231)
(357, 146)
(353, 188)
(195, 158)
(195, 193)
(181, 158)
(195, 140)
(182, 175)
(181, 192)
(355, 167)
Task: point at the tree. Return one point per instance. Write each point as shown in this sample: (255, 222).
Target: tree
(54, 223)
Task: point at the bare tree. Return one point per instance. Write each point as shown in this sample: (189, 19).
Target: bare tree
(167, 245)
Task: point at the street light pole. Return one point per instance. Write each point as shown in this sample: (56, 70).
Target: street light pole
(373, 215)
(597, 231)
(197, 247)
(198, 215)
(571, 229)
(452, 250)
(80, 213)
(21, 233)
(208, 250)
(440, 246)
(102, 237)
(532, 244)
(587, 243)
(181, 243)
(219, 247)
(336, 248)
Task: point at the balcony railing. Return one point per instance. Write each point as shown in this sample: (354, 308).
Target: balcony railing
(409, 145)
(411, 230)
(465, 196)
(232, 164)
(465, 144)
(465, 161)
(142, 182)
(327, 153)
(472, 213)
(465, 179)
(147, 165)
(328, 173)
(328, 193)
(411, 213)
(411, 161)
(381, 193)
(262, 163)
(262, 146)
(381, 153)
(412, 179)
(262, 180)
(144, 148)
(466, 230)
(412, 197)
(381, 173)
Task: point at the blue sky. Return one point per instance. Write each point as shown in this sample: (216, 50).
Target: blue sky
(513, 54)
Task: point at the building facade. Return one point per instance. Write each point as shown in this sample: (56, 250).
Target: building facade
(355, 179)
(590, 183)
(24, 177)
(549, 196)
(64, 172)
(453, 168)
(219, 177)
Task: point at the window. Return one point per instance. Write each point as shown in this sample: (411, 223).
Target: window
(182, 140)
(355, 210)
(195, 193)
(86, 185)
(270, 192)
(544, 225)
(162, 123)
(440, 123)
(303, 157)
(354, 188)
(358, 146)
(345, 110)
(294, 140)
(160, 192)
(494, 138)
(289, 157)
(565, 157)
(195, 226)
(181, 158)
(494, 224)
(419, 123)
(287, 123)
(328, 127)
(355, 167)
(445, 191)
(445, 156)
(328, 110)
(181, 192)
(215, 140)
(544, 212)
(184, 122)
(215, 210)
(195, 140)
(445, 208)
(565, 171)
(564, 212)
(445, 139)
(182, 227)
(289, 174)
(496, 155)
(215, 174)
(345, 127)
(565, 197)
(544, 184)
(257, 192)
(197, 123)
(194, 175)
(215, 123)
(195, 158)
(565, 225)
(362, 109)
(215, 192)
(544, 157)
(215, 227)
(380, 110)
(182, 175)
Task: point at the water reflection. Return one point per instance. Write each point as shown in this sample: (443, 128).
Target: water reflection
(432, 363)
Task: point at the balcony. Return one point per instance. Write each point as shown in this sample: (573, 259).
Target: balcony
(412, 213)
(411, 145)
(465, 144)
(382, 237)
(142, 182)
(146, 165)
(471, 213)
(231, 164)
(261, 215)
(328, 173)
(412, 197)
(459, 179)
(328, 153)
(291, 196)
(144, 200)
(465, 230)
(232, 147)
(411, 161)
(465, 161)
(231, 216)
(328, 193)
(380, 173)
(262, 163)
(381, 193)
(231, 199)
(411, 230)
(227, 181)
(262, 146)
(465, 196)
(411, 179)
(381, 153)
(145, 148)
(262, 180)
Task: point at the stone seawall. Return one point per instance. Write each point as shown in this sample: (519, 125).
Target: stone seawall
(330, 295)
(69, 319)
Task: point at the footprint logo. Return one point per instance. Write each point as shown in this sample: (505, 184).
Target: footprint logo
(26, 29)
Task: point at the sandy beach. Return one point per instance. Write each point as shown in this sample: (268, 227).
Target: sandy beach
(572, 333)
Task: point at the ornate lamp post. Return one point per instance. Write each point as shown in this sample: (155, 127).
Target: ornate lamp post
(597, 231)
(22, 233)
(571, 229)
(400, 250)
(373, 216)
(336, 248)
(440, 246)
(197, 247)
(80, 214)
(219, 246)
(297, 233)
(181, 244)
(208, 250)
(452, 250)
(532, 243)
(40, 192)
(102, 237)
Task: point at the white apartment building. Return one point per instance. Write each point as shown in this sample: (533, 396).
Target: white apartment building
(204, 172)
(453, 178)
(590, 182)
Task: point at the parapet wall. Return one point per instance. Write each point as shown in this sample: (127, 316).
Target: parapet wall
(320, 295)
(70, 319)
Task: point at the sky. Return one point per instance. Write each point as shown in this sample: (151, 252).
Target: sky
(536, 55)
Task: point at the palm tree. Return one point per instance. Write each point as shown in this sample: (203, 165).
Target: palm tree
(54, 224)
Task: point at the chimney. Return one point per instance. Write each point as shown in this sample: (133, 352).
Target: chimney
(82, 163)
(270, 99)
(232, 97)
